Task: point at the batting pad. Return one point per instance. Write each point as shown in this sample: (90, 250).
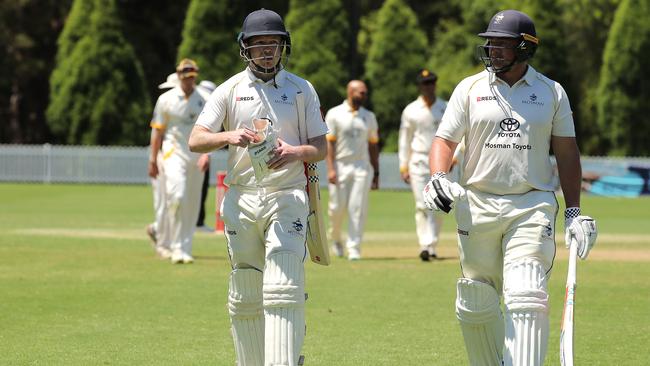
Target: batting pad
(526, 304)
(246, 317)
(477, 309)
(284, 308)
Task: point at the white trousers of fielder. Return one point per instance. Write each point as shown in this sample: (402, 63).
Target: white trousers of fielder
(350, 196)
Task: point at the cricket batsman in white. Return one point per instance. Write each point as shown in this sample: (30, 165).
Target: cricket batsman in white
(510, 116)
(265, 209)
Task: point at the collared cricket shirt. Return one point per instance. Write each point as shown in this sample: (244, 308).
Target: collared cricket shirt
(418, 127)
(243, 97)
(507, 130)
(352, 131)
(176, 113)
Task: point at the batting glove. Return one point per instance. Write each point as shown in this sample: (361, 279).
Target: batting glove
(440, 193)
(582, 229)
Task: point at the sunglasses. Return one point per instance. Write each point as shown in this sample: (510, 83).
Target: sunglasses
(188, 69)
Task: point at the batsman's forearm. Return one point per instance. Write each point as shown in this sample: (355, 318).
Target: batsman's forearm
(315, 150)
(204, 141)
(441, 154)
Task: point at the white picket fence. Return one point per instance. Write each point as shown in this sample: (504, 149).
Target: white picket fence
(128, 165)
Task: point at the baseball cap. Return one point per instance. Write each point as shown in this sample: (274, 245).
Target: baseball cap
(187, 68)
(425, 75)
(171, 82)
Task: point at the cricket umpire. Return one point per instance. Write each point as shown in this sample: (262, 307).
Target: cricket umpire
(265, 211)
(510, 116)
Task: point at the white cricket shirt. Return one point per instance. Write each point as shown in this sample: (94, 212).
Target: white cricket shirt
(352, 131)
(175, 114)
(507, 130)
(243, 97)
(418, 127)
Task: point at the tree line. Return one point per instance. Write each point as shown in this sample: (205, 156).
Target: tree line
(86, 71)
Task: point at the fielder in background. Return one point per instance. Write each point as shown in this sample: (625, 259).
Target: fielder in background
(510, 116)
(158, 231)
(420, 120)
(352, 166)
(173, 118)
(265, 208)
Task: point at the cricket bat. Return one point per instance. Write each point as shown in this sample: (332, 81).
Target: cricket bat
(566, 334)
(316, 234)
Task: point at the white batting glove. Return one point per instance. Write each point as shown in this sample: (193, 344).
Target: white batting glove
(582, 229)
(440, 193)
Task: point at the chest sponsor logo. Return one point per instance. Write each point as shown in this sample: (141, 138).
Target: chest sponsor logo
(243, 99)
(509, 127)
(284, 99)
(486, 98)
(532, 100)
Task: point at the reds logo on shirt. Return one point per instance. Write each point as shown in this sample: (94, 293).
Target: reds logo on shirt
(243, 99)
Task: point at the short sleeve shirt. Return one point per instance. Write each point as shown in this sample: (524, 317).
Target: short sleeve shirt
(418, 127)
(236, 102)
(175, 113)
(352, 130)
(507, 130)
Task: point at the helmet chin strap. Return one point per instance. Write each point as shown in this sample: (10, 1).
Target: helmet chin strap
(274, 70)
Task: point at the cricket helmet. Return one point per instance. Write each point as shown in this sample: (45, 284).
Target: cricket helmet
(264, 22)
(510, 24)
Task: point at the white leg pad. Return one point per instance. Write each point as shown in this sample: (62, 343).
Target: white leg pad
(246, 316)
(284, 309)
(526, 304)
(481, 320)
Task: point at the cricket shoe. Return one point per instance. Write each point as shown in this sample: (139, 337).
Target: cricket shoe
(424, 255)
(338, 249)
(163, 253)
(151, 232)
(187, 259)
(177, 257)
(354, 254)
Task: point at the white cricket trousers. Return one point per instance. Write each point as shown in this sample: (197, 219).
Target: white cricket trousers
(183, 180)
(350, 195)
(160, 205)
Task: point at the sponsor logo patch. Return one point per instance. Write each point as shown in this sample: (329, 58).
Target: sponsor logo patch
(243, 99)
(532, 99)
(463, 232)
(296, 228)
(489, 97)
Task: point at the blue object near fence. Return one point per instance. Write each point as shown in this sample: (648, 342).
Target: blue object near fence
(629, 185)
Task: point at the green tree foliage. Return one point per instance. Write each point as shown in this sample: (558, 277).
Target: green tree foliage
(453, 53)
(210, 38)
(319, 45)
(102, 97)
(398, 50)
(624, 89)
(28, 33)
(586, 24)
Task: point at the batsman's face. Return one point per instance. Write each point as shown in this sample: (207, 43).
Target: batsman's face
(265, 50)
(502, 51)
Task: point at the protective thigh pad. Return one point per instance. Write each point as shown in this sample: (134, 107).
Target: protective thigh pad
(246, 316)
(284, 308)
(526, 304)
(481, 320)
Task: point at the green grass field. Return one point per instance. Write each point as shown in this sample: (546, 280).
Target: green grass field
(79, 285)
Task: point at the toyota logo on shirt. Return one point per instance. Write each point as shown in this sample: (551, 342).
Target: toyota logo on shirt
(509, 124)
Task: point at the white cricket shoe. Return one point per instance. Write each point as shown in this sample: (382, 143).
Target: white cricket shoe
(177, 257)
(337, 248)
(354, 254)
(187, 259)
(163, 253)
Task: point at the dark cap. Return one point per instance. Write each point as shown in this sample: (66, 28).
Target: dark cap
(263, 22)
(425, 75)
(511, 24)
